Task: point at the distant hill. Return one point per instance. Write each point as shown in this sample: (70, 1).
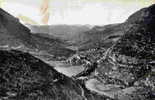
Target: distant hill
(65, 32)
(81, 36)
(100, 36)
(15, 35)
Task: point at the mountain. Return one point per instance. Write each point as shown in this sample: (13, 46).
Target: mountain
(81, 36)
(127, 68)
(15, 35)
(100, 36)
(24, 77)
(139, 39)
(12, 32)
(64, 32)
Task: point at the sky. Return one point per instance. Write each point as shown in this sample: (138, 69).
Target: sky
(93, 12)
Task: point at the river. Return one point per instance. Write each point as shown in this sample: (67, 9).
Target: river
(91, 84)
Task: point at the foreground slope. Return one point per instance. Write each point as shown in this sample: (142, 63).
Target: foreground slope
(24, 77)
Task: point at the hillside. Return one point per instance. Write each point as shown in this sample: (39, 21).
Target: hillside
(15, 35)
(100, 36)
(82, 37)
(24, 77)
(64, 32)
(126, 71)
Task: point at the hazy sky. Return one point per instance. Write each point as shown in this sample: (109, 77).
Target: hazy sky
(94, 12)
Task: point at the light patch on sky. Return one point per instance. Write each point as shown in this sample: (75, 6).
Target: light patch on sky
(94, 12)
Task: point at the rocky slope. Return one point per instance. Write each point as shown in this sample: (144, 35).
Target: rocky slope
(24, 77)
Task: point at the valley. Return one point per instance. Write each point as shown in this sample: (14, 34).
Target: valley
(73, 62)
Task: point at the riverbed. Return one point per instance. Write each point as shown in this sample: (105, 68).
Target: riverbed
(66, 69)
(91, 84)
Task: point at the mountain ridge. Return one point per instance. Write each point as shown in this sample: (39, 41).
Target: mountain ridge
(14, 34)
